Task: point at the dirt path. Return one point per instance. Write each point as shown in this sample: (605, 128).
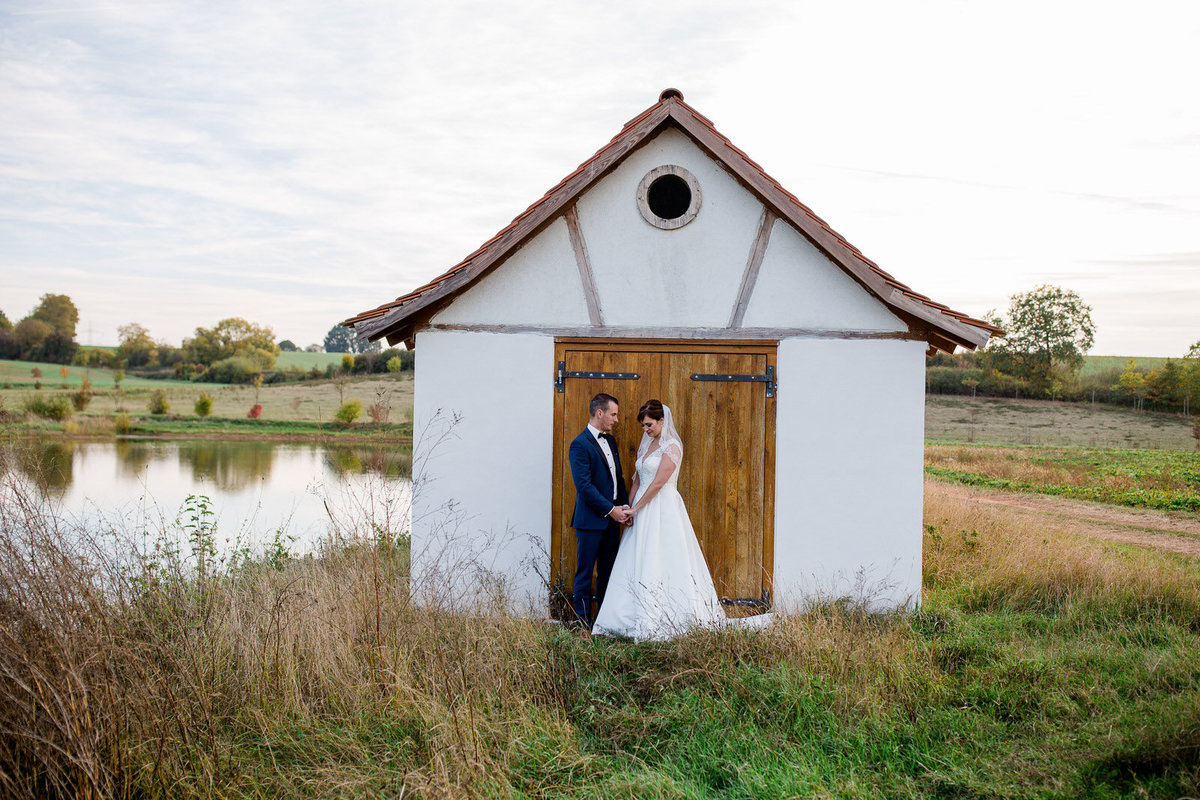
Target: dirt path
(1157, 530)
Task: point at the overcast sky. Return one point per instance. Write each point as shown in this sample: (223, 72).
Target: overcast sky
(297, 162)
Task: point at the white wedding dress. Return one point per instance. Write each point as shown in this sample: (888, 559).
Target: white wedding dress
(660, 585)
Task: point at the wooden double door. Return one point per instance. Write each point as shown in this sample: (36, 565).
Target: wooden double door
(722, 397)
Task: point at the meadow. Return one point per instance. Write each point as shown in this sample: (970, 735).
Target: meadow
(1049, 423)
(1048, 659)
(1093, 365)
(296, 409)
(1041, 664)
(1160, 479)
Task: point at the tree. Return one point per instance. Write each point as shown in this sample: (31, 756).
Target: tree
(1047, 327)
(57, 311)
(1164, 386)
(343, 340)
(232, 337)
(288, 346)
(5, 325)
(1133, 382)
(137, 348)
(1190, 381)
(30, 333)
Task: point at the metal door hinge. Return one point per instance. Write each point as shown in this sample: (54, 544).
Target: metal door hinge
(768, 379)
(754, 602)
(560, 377)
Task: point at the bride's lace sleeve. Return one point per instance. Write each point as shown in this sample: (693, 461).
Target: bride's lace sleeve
(674, 451)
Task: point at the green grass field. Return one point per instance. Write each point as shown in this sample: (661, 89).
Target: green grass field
(19, 375)
(307, 361)
(1162, 479)
(1095, 364)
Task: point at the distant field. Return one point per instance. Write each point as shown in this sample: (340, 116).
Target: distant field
(19, 375)
(307, 361)
(314, 401)
(993, 420)
(1094, 364)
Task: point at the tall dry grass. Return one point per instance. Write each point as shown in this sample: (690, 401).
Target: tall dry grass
(990, 557)
(132, 674)
(124, 675)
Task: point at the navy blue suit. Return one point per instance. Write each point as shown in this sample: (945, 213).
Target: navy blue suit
(597, 535)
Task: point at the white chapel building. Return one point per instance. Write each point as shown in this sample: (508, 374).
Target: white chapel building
(670, 266)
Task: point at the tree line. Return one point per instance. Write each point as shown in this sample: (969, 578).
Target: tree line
(46, 334)
(1048, 332)
(232, 351)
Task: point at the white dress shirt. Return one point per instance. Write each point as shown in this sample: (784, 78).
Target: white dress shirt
(608, 456)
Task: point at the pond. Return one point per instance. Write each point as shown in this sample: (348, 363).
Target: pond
(259, 492)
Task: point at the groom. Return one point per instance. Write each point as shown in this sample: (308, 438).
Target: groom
(601, 504)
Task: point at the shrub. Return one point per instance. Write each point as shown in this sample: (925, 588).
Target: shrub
(408, 359)
(81, 398)
(394, 364)
(236, 369)
(122, 423)
(158, 402)
(379, 411)
(255, 411)
(203, 405)
(347, 362)
(56, 407)
(349, 411)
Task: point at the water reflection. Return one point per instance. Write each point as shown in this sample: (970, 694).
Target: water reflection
(230, 468)
(256, 487)
(132, 456)
(390, 462)
(49, 465)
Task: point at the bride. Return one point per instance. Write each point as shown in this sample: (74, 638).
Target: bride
(660, 584)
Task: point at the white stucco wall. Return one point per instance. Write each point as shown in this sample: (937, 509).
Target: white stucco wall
(848, 471)
(539, 284)
(684, 277)
(482, 450)
(798, 287)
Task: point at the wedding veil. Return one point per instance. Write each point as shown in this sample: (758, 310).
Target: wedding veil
(668, 441)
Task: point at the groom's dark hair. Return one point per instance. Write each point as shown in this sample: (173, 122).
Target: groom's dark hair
(601, 401)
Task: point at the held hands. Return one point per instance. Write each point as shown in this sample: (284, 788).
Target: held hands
(622, 514)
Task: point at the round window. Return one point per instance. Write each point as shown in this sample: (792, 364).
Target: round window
(668, 197)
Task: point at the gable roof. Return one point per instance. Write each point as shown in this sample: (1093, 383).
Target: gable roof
(945, 327)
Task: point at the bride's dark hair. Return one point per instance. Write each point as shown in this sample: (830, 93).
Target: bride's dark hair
(653, 409)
